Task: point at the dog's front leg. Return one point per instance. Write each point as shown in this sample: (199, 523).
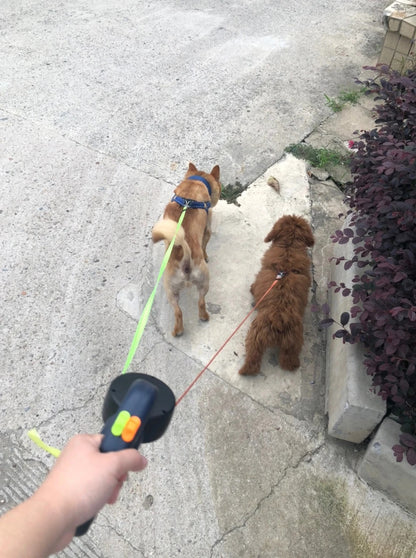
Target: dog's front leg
(207, 236)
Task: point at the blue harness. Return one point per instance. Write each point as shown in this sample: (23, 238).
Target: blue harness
(192, 204)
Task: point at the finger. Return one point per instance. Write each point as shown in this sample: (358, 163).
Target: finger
(127, 460)
(115, 493)
(95, 439)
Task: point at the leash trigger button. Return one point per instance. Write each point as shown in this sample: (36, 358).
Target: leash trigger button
(131, 428)
(120, 422)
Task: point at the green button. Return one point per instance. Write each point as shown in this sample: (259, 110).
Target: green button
(120, 423)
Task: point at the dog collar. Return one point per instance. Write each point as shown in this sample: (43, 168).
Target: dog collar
(191, 204)
(281, 274)
(201, 179)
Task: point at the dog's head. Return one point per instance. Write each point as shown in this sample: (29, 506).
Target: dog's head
(291, 229)
(213, 178)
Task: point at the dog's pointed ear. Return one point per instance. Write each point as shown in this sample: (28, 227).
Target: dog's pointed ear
(192, 168)
(216, 173)
(274, 233)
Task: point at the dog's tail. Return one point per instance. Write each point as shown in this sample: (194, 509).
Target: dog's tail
(165, 230)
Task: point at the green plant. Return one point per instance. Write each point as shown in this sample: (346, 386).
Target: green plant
(231, 192)
(320, 158)
(336, 104)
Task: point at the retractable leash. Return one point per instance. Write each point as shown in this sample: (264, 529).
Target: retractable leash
(138, 407)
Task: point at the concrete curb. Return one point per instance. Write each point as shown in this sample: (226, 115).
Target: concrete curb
(354, 411)
(380, 469)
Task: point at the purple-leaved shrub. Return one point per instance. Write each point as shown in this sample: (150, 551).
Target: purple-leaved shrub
(382, 228)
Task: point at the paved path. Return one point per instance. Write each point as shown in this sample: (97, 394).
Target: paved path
(102, 105)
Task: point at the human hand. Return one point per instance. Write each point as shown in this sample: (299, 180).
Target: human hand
(83, 480)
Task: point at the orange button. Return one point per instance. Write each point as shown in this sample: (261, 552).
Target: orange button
(130, 429)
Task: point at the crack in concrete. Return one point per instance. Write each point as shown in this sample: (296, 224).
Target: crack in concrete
(47, 421)
(306, 457)
(56, 131)
(107, 525)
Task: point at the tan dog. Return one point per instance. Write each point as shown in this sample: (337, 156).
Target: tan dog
(279, 320)
(187, 263)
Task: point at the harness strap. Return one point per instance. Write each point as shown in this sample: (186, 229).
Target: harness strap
(191, 204)
(201, 179)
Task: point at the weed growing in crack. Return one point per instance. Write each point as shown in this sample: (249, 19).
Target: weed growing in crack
(321, 158)
(231, 192)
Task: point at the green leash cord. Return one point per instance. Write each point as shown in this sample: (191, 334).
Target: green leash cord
(33, 435)
(146, 311)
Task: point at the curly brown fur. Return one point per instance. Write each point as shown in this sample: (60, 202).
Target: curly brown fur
(188, 260)
(279, 319)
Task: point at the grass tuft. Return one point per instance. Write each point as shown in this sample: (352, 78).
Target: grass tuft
(321, 158)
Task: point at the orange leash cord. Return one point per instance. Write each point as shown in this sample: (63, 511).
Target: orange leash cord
(188, 389)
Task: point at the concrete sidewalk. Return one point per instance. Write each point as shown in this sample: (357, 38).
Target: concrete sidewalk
(101, 108)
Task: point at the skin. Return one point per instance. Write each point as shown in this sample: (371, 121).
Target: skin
(80, 483)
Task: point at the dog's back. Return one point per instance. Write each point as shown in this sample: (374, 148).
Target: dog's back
(279, 319)
(197, 193)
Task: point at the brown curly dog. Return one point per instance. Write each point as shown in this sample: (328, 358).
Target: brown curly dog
(279, 319)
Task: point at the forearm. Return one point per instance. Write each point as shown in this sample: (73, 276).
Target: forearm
(34, 529)
(80, 483)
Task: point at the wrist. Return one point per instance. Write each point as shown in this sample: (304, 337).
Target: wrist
(59, 513)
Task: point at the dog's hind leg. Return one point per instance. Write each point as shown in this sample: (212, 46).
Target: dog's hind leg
(178, 329)
(173, 298)
(201, 279)
(289, 349)
(255, 348)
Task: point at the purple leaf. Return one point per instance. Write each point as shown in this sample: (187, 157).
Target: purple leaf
(411, 456)
(408, 440)
(326, 323)
(345, 318)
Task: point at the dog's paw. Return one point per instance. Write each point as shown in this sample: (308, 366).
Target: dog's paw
(289, 364)
(204, 317)
(177, 332)
(248, 371)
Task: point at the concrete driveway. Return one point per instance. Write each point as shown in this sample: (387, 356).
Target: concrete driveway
(102, 106)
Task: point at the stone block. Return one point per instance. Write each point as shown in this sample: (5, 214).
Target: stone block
(386, 56)
(408, 28)
(404, 46)
(354, 410)
(391, 39)
(394, 24)
(380, 469)
(400, 22)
